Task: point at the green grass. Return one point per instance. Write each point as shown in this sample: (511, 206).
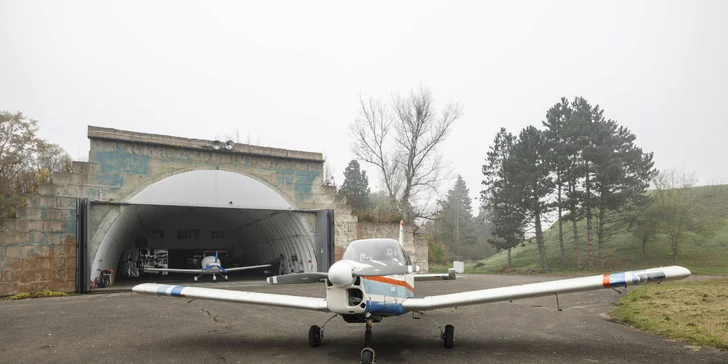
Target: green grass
(622, 250)
(695, 312)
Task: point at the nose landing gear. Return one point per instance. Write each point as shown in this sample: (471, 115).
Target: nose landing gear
(367, 354)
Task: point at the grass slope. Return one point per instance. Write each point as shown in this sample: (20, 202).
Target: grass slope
(695, 312)
(622, 250)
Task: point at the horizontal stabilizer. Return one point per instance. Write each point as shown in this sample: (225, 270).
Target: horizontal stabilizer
(591, 283)
(449, 276)
(265, 299)
(297, 278)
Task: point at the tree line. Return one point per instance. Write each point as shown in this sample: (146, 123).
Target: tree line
(579, 166)
(26, 160)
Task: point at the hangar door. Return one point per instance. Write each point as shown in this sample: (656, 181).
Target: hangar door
(290, 240)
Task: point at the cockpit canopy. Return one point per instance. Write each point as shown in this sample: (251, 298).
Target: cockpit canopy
(376, 251)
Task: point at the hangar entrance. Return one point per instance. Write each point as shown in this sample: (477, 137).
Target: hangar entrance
(174, 222)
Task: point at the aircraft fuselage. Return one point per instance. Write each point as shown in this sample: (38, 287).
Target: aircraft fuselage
(379, 296)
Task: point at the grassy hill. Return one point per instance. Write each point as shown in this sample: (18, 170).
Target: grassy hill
(622, 250)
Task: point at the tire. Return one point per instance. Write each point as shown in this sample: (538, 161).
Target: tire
(314, 336)
(367, 357)
(449, 336)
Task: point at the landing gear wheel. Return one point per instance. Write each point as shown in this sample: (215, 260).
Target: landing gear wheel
(195, 279)
(214, 278)
(448, 336)
(367, 356)
(314, 336)
(226, 277)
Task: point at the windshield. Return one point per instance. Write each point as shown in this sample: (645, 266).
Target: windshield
(383, 251)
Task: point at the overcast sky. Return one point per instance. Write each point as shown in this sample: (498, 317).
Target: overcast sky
(289, 74)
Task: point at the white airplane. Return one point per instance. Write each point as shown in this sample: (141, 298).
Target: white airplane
(366, 286)
(210, 265)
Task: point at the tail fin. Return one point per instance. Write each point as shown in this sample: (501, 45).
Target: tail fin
(401, 233)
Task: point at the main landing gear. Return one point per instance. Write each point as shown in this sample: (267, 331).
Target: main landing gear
(214, 277)
(316, 337)
(447, 335)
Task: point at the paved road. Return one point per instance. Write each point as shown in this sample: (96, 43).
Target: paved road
(133, 328)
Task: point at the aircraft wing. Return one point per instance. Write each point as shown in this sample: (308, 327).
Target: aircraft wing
(266, 299)
(622, 279)
(450, 275)
(172, 270)
(245, 268)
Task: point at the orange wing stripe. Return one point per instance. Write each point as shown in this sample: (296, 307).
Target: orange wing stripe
(605, 281)
(391, 281)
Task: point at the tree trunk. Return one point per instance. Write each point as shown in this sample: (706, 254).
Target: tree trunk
(509, 257)
(589, 237)
(561, 233)
(576, 241)
(600, 238)
(540, 242)
(674, 244)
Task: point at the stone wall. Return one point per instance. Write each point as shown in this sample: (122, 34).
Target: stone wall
(38, 249)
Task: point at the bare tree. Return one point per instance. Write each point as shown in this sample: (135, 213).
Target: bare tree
(401, 140)
(682, 208)
(328, 172)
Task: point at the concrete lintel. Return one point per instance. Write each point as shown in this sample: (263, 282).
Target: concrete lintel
(95, 132)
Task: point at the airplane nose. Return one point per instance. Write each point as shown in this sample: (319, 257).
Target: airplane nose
(340, 274)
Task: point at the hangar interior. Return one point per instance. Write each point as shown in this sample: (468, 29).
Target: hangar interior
(184, 234)
(175, 222)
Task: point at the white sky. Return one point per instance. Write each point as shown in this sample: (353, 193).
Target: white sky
(290, 73)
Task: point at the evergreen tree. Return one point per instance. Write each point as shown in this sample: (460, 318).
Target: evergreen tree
(499, 198)
(558, 160)
(356, 187)
(529, 167)
(581, 138)
(622, 173)
(455, 223)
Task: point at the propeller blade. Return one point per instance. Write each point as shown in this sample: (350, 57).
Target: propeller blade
(297, 278)
(382, 271)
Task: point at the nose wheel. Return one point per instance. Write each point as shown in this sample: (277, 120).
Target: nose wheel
(367, 356)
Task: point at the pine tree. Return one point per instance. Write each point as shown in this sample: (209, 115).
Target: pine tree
(559, 163)
(499, 198)
(455, 223)
(356, 187)
(581, 139)
(530, 169)
(622, 173)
